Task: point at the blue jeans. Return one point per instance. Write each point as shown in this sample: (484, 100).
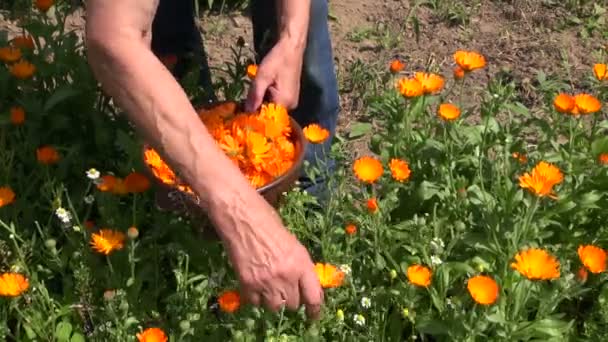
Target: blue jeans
(174, 32)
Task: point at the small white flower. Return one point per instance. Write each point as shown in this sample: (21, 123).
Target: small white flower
(435, 260)
(437, 245)
(346, 269)
(366, 303)
(359, 319)
(449, 303)
(89, 199)
(76, 228)
(63, 215)
(93, 174)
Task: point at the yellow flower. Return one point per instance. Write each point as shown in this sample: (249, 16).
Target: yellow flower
(536, 264)
(252, 71)
(400, 170)
(419, 275)
(152, 335)
(410, 87)
(10, 54)
(329, 275)
(542, 179)
(448, 111)
(107, 241)
(431, 83)
(600, 72)
(594, 258)
(13, 284)
(469, 60)
(7, 196)
(315, 133)
(368, 169)
(483, 289)
(22, 69)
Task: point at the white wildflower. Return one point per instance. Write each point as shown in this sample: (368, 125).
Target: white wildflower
(366, 303)
(437, 245)
(89, 199)
(93, 174)
(63, 215)
(435, 260)
(346, 269)
(359, 319)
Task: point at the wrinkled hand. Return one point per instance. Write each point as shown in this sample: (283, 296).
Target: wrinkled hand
(278, 76)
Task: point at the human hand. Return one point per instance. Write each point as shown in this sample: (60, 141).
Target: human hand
(278, 76)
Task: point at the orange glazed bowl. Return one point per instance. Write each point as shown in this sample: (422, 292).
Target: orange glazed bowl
(178, 197)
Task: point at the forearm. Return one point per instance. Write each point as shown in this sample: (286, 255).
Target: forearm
(293, 19)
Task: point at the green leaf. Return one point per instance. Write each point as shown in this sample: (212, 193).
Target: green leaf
(427, 190)
(61, 94)
(63, 331)
(432, 327)
(599, 146)
(77, 337)
(359, 129)
(589, 199)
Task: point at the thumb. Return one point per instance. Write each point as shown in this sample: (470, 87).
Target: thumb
(258, 89)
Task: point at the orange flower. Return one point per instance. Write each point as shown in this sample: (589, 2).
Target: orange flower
(107, 183)
(107, 241)
(229, 301)
(594, 258)
(587, 104)
(132, 233)
(22, 69)
(47, 155)
(536, 264)
(372, 205)
(152, 335)
(522, 158)
(17, 115)
(483, 289)
(458, 73)
(13, 284)
(603, 158)
(431, 83)
(7, 196)
(44, 5)
(396, 66)
(350, 229)
(448, 112)
(158, 167)
(368, 169)
(564, 103)
(136, 182)
(542, 179)
(23, 42)
(252, 70)
(600, 72)
(410, 87)
(400, 170)
(469, 60)
(315, 133)
(582, 274)
(419, 275)
(329, 275)
(10, 54)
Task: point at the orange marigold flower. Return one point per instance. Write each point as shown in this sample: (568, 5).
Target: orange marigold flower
(458, 73)
(520, 157)
(152, 335)
(564, 103)
(13, 284)
(44, 5)
(7, 196)
(431, 83)
(419, 275)
(410, 87)
(587, 104)
(350, 229)
(229, 301)
(448, 112)
(17, 115)
(396, 66)
(594, 258)
(23, 42)
(22, 69)
(483, 289)
(600, 72)
(329, 275)
(469, 60)
(372, 205)
(107, 183)
(10, 54)
(368, 169)
(536, 264)
(542, 179)
(315, 133)
(136, 182)
(47, 155)
(400, 170)
(107, 241)
(582, 274)
(603, 158)
(252, 71)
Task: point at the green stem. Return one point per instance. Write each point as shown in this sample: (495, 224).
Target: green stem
(109, 264)
(523, 231)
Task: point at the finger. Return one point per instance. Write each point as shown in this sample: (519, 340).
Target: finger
(255, 97)
(312, 294)
(251, 297)
(274, 300)
(293, 298)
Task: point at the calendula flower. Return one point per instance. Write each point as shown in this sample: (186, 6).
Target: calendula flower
(13, 284)
(587, 104)
(315, 133)
(229, 301)
(252, 71)
(410, 87)
(469, 60)
(582, 274)
(536, 264)
(350, 229)
(483, 289)
(136, 182)
(542, 179)
(564, 103)
(47, 155)
(372, 205)
(329, 275)
(520, 157)
(448, 111)
(107, 183)
(7, 196)
(23, 42)
(152, 335)
(458, 73)
(132, 233)
(599, 70)
(22, 69)
(107, 241)
(431, 83)
(400, 170)
(603, 158)
(44, 5)
(593, 257)
(396, 66)
(419, 275)
(17, 115)
(9, 54)
(368, 169)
